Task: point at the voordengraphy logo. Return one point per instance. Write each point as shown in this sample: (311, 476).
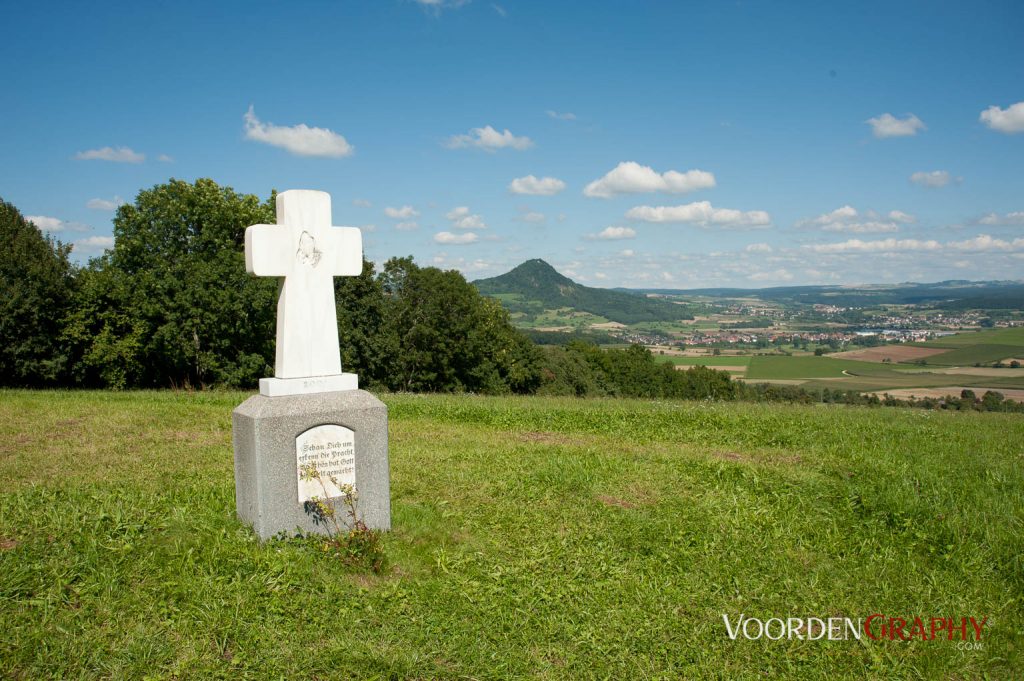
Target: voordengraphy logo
(876, 627)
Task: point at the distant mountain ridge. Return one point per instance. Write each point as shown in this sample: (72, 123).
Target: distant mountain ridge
(953, 294)
(536, 282)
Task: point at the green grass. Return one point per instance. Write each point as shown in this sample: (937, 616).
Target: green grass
(785, 367)
(1011, 336)
(548, 538)
(709, 361)
(983, 353)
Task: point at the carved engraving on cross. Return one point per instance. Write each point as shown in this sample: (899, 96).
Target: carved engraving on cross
(308, 253)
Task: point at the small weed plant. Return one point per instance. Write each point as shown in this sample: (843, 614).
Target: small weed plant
(353, 542)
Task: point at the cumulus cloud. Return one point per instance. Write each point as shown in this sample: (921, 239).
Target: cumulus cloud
(935, 178)
(628, 253)
(455, 239)
(888, 125)
(701, 213)
(780, 274)
(407, 226)
(561, 116)
(534, 217)
(164, 158)
(858, 246)
(848, 219)
(630, 177)
(1015, 218)
(104, 204)
(51, 225)
(613, 233)
(119, 155)
(93, 244)
(300, 140)
(461, 218)
(1009, 120)
(980, 243)
(536, 186)
(900, 216)
(758, 248)
(489, 139)
(403, 213)
(361, 203)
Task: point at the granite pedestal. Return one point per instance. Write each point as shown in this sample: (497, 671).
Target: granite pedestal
(344, 433)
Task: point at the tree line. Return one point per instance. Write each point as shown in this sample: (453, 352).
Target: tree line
(171, 306)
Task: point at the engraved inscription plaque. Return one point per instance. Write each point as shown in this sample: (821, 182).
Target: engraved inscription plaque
(331, 448)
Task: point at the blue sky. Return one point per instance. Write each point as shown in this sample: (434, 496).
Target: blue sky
(655, 144)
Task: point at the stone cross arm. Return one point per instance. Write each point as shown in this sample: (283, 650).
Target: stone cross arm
(270, 250)
(307, 252)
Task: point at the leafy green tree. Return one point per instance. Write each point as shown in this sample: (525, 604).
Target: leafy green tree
(171, 304)
(37, 281)
(441, 335)
(365, 343)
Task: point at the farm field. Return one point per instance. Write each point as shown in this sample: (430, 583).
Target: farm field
(808, 366)
(1009, 336)
(708, 361)
(549, 538)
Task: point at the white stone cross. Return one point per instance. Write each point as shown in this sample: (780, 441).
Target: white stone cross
(308, 253)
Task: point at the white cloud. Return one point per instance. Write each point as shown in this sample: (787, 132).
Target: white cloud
(368, 228)
(104, 204)
(847, 219)
(858, 246)
(536, 186)
(888, 125)
(361, 203)
(93, 244)
(456, 239)
(900, 216)
(300, 140)
(534, 217)
(628, 253)
(935, 178)
(561, 116)
(1009, 120)
(780, 274)
(701, 213)
(461, 218)
(119, 155)
(630, 177)
(489, 139)
(1015, 218)
(164, 158)
(48, 224)
(984, 242)
(758, 248)
(614, 233)
(403, 213)
(407, 226)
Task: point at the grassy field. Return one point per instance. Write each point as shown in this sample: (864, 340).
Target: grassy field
(548, 538)
(783, 367)
(710, 361)
(1010, 336)
(982, 353)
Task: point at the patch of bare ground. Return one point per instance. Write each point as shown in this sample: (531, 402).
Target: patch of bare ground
(6, 543)
(893, 353)
(608, 500)
(549, 438)
(770, 457)
(608, 325)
